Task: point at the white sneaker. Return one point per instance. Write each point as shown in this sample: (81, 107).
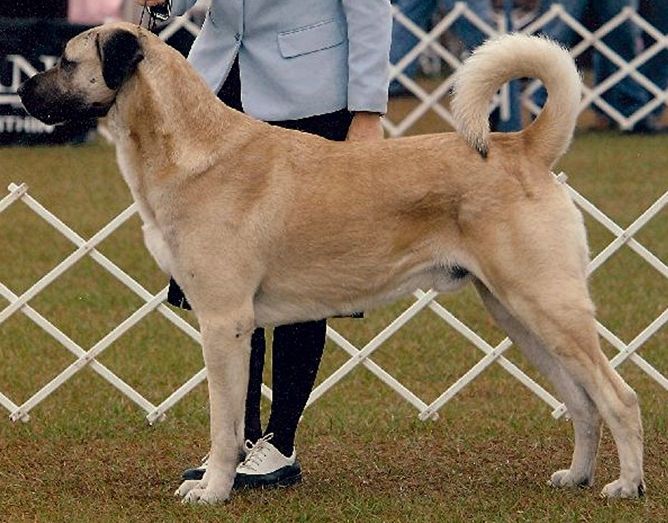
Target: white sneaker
(265, 466)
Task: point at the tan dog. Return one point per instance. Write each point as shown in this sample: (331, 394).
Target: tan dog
(266, 226)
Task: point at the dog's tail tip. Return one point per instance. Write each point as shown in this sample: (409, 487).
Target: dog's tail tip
(480, 144)
(476, 135)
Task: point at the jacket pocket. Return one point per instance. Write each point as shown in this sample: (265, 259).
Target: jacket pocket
(309, 39)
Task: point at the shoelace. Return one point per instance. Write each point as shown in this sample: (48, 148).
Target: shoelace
(256, 452)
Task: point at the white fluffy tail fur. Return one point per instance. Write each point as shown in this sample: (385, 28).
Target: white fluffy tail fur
(516, 56)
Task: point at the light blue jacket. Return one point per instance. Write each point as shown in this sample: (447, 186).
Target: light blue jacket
(297, 58)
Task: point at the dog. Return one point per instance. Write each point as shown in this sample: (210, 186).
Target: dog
(265, 226)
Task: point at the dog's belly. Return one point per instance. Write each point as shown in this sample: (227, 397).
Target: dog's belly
(284, 302)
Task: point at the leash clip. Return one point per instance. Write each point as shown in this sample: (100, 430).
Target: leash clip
(158, 13)
(162, 12)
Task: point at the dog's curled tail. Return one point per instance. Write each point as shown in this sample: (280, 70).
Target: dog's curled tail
(516, 56)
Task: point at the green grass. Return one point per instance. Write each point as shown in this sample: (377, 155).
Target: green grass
(87, 454)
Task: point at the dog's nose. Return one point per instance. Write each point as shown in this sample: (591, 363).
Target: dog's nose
(21, 90)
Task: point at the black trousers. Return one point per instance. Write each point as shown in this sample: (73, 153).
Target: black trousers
(297, 348)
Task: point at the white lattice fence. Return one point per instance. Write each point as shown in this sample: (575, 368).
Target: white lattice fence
(358, 356)
(493, 353)
(593, 95)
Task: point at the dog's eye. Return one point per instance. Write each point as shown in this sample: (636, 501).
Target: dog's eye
(66, 65)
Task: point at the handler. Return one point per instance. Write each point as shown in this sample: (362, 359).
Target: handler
(318, 66)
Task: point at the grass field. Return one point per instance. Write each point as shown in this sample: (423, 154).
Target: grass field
(87, 454)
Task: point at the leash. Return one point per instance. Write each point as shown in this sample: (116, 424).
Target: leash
(158, 13)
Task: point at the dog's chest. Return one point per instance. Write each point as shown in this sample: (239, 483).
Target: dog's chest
(153, 236)
(158, 247)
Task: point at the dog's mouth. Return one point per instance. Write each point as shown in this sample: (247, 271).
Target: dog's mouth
(66, 113)
(47, 117)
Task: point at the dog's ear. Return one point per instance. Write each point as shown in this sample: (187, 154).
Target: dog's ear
(119, 52)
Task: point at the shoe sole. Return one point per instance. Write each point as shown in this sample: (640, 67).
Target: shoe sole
(264, 483)
(288, 482)
(251, 484)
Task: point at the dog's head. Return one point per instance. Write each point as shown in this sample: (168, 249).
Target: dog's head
(84, 84)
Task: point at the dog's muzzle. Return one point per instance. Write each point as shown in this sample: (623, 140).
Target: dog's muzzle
(51, 106)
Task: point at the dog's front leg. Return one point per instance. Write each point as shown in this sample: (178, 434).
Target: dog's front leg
(226, 347)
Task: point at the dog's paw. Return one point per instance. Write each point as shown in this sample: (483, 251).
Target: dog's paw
(187, 486)
(566, 479)
(623, 489)
(204, 491)
(206, 496)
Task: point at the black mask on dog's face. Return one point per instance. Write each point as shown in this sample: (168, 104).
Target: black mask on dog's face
(84, 83)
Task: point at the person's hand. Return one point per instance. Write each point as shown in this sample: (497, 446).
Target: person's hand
(365, 127)
(150, 3)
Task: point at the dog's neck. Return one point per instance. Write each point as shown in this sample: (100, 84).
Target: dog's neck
(168, 126)
(169, 118)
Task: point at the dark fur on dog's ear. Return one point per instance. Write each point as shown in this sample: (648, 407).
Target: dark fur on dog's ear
(119, 52)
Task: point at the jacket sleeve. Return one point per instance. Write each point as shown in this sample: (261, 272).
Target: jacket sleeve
(369, 38)
(179, 7)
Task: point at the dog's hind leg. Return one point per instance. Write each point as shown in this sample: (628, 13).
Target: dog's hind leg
(226, 347)
(583, 412)
(554, 304)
